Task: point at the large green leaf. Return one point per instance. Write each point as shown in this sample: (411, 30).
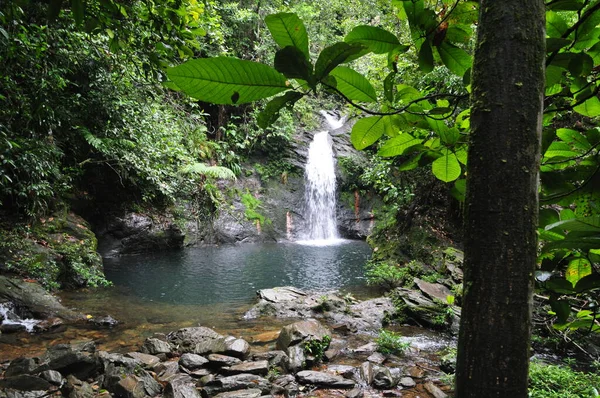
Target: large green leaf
(225, 80)
(456, 59)
(375, 39)
(589, 282)
(335, 55)
(398, 145)
(577, 269)
(367, 131)
(560, 150)
(556, 26)
(581, 243)
(590, 108)
(291, 62)
(426, 57)
(353, 85)
(269, 115)
(574, 138)
(288, 30)
(446, 168)
(586, 224)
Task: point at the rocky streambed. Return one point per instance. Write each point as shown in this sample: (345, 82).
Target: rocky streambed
(333, 356)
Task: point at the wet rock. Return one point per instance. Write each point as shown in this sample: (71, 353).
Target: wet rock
(25, 383)
(251, 393)
(276, 358)
(323, 379)
(366, 372)
(34, 299)
(281, 294)
(255, 368)
(407, 382)
(297, 359)
(180, 389)
(53, 377)
(435, 390)
(376, 358)
(426, 311)
(382, 378)
(366, 315)
(237, 382)
(297, 332)
(21, 366)
(355, 393)
(77, 360)
(154, 346)
(285, 385)
(167, 371)
(346, 371)
(48, 324)
(137, 386)
(222, 360)
(12, 328)
(148, 361)
(238, 348)
(105, 321)
(192, 361)
(75, 388)
(199, 373)
(198, 340)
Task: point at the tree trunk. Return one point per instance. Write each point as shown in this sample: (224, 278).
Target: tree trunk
(502, 200)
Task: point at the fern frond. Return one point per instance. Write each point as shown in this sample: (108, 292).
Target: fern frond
(218, 172)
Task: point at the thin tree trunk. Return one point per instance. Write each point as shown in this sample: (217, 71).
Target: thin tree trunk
(502, 200)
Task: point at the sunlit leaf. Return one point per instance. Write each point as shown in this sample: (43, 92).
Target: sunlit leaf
(590, 108)
(335, 55)
(353, 85)
(577, 269)
(456, 59)
(446, 168)
(375, 39)
(224, 80)
(398, 145)
(367, 131)
(288, 30)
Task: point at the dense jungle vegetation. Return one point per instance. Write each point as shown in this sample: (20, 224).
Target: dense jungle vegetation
(108, 104)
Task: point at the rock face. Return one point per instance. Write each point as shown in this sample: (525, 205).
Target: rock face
(133, 233)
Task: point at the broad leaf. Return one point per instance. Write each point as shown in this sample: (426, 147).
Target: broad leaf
(581, 243)
(560, 150)
(269, 115)
(577, 269)
(225, 80)
(456, 59)
(288, 30)
(589, 282)
(375, 39)
(353, 85)
(459, 190)
(335, 55)
(367, 131)
(446, 168)
(398, 145)
(574, 138)
(426, 57)
(590, 108)
(556, 26)
(588, 224)
(291, 62)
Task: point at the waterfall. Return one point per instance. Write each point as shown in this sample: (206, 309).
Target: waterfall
(320, 189)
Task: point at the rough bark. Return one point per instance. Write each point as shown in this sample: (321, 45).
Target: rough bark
(502, 200)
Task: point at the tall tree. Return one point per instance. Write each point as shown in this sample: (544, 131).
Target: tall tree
(502, 199)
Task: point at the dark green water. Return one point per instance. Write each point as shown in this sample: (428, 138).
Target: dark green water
(233, 274)
(210, 286)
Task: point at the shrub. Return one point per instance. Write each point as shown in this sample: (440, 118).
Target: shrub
(390, 343)
(554, 381)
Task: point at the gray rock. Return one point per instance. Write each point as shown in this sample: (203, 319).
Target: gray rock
(366, 372)
(179, 389)
(367, 348)
(8, 328)
(346, 371)
(25, 383)
(355, 393)
(137, 386)
(382, 378)
(238, 348)
(222, 360)
(276, 358)
(105, 321)
(76, 360)
(280, 294)
(21, 366)
(250, 393)
(23, 394)
(407, 382)
(148, 361)
(75, 388)
(198, 340)
(199, 373)
(285, 385)
(376, 358)
(323, 379)
(154, 346)
(237, 382)
(297, 358)
(192, 361)
(53, 377)
(297, 332)
(435, 390)
(167, 371)
(255, 368)
(434, 291)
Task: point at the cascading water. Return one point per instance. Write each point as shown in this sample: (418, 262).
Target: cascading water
(320, 191)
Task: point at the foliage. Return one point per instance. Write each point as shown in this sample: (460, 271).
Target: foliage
(389, 342)
(316, 348)
(388, 274)
(554, 381)
(252, 204)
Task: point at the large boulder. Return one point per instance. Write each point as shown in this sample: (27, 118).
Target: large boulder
(301, 331)
(197, 340)
(323, 379)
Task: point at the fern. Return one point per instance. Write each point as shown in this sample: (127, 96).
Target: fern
(218, 172)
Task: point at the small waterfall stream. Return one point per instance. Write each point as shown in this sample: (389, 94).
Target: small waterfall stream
(320, 190)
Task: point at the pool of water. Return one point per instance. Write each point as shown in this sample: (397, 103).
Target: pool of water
(208, 286)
